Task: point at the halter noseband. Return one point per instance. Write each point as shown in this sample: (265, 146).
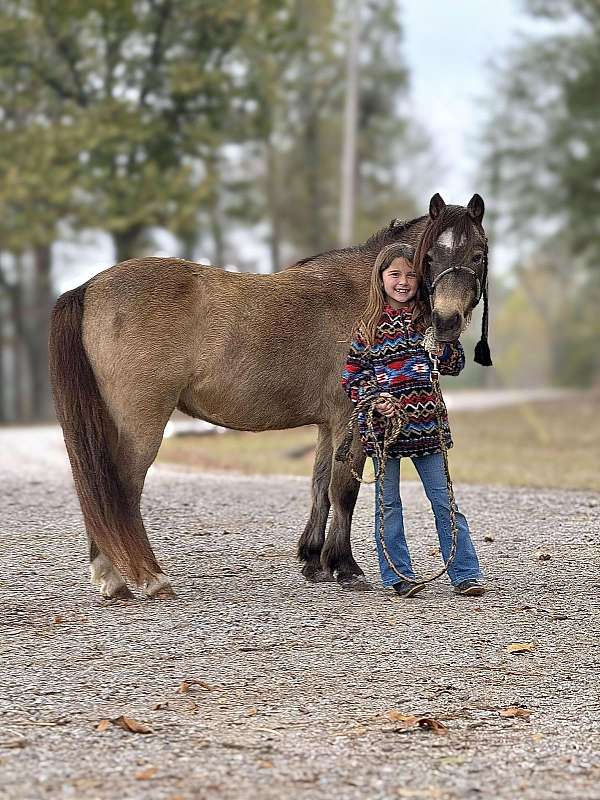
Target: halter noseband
(432, 284)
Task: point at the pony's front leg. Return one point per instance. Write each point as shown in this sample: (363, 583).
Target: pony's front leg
(336, 556)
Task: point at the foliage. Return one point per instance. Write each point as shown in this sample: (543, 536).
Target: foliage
(542, 163)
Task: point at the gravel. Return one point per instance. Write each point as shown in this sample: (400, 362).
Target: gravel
(294, 683)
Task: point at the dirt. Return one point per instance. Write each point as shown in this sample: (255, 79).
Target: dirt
(256, 685)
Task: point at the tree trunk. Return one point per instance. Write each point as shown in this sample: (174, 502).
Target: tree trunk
(127, 243)
(348, 162)
(42, 301)
(273, 200)
(214, 210)
(3, 367)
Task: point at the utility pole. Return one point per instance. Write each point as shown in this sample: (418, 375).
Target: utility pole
(348, 165)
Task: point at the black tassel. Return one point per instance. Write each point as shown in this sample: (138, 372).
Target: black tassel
(482, 348)
(482, 353)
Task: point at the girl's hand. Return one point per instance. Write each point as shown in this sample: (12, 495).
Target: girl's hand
(385, 407)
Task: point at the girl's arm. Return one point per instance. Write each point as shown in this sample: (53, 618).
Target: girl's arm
(452, 358)
(358, 378)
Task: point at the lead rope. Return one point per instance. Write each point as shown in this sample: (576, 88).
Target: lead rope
(393, 431)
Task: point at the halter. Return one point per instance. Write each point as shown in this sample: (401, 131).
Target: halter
(431, 285)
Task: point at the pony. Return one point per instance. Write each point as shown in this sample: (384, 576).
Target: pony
(245, 351)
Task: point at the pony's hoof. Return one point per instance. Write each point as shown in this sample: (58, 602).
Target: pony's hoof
(314, 573)
(355, 583)
(163, 594)
(122, 592)
(159, 588)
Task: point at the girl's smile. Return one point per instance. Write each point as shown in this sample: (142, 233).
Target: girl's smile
(399, 283)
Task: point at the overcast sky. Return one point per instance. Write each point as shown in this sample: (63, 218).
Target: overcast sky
(448, 47)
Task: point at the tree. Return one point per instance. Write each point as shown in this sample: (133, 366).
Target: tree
(542, 158)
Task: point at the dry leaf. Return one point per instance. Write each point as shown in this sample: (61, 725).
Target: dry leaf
(57, 619)
(397, 716)
(146, 774)
(410, 720)
(186, 685)
(265, 764)
(541, 555)
(103, 725)
(488, 538)
(131, 725)
(433, 725)
(160, 705)
(516, 711)
(251, 712)
(14, 744)
(520, 647)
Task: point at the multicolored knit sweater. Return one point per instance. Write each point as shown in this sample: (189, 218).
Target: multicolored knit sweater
(398, 364)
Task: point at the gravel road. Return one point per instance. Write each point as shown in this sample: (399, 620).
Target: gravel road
(256, 685)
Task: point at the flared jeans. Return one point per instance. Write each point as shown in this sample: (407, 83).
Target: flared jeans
(465, 565)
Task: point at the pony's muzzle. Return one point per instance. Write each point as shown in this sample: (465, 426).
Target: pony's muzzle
(447, 327)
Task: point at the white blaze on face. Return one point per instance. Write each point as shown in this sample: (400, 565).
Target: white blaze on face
(446, 239)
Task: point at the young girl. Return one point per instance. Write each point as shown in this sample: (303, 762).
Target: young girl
(386, 358)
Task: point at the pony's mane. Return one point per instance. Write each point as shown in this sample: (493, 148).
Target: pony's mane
(455, 217)
(379, 239)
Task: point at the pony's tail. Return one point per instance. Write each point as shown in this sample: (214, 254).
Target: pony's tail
(110, 508)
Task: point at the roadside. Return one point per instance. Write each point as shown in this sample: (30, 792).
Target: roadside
(545, 438)
(254, 685)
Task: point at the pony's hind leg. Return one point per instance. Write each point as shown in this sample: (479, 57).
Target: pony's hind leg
(139, 414)
(106, 577)
(311, 542)
(343, 490)
(137, 447)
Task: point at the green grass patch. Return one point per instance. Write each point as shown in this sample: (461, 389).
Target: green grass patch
(553, 444)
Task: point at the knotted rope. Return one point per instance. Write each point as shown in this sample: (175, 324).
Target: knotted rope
(393, 430)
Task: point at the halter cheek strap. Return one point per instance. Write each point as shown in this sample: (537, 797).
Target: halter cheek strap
(482, 349)
(456, 268)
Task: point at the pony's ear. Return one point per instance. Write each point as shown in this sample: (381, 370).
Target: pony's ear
(436, 205)
(476, 208)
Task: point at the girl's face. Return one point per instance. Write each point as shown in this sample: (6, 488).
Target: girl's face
(400, 282)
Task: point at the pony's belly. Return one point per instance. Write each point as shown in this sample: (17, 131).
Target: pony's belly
(246, 412)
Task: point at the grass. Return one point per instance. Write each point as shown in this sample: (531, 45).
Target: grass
(552, 444)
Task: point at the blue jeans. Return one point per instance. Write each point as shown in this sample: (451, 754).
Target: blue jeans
(431, 471)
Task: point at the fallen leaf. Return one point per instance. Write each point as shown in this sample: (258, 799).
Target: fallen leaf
(251, 712)
(103, 725)
(541, 555)
(131, 725)
(265, 764)
(57, 619)
(433, 725)
(397, 716)
(520, 647)
(14, 744)
(435, 552)
(186, 685)
(489, 538)
(516, 711)
(410, 720)
(146, 774)
(160, 705)
(477, 608)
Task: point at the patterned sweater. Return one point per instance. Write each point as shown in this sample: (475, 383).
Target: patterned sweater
(398, 364)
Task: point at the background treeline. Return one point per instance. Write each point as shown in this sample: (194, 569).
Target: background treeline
(220, 123)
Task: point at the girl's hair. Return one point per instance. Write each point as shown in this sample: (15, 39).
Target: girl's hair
(367, 324)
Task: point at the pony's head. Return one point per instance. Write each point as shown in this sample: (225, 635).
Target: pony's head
(451, 260)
